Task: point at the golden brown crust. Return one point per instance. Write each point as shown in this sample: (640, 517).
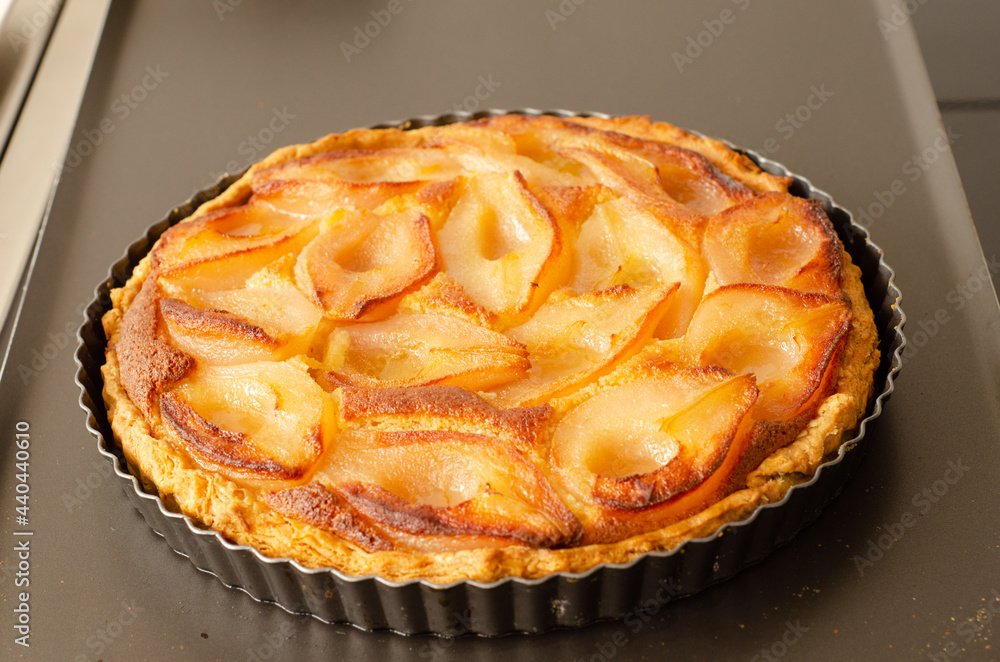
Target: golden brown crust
(231, 483)
(317, 505)
(150, 363)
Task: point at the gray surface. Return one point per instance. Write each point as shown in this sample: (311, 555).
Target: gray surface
(976, 155)
(105, 587)
(961, 45)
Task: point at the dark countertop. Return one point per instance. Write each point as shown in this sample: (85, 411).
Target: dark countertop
(183, 91)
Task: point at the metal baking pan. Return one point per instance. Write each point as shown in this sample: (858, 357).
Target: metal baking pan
(607, 591)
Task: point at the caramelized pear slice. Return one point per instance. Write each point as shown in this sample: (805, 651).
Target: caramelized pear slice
(362, 259)
(440, 408)
(269, 318)
(401, 164)
(637, 168)
(219, 251)
(786, 338)
(443, 296)
(574, 340)
(673, 152)
(216, 337)
(692, 180)
(255, 421)
(417, 349)
(640, 443)
(443, 491)
(622, 243)
(684, 176)
(775, 239)
(502, 247)
(535, 174)
(311, 198)
(284, 313)
(321, 197)
(631, 176)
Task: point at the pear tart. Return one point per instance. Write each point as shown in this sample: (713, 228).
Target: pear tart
(509, 347)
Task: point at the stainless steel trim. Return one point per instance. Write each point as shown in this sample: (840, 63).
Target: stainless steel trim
(26, 29)
(30, 166)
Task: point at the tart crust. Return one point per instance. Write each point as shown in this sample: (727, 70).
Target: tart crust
(247, 511)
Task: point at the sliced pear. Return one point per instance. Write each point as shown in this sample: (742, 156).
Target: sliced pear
(631, 176)
(775, 239)
(441, 491)
(443, 296)
(216, 337)
(314, 198)
(271, 300)
(694, 182)
(284, 313)
(617, 169)
(787, 339)
(684, 176)
(256, 421)
(572, 205)
(502, 247)
(402, 164)
(633, 445)
(539, 139)
(624, 162)
(507, 160)
(442, 408)
(362, 259)
(221, 250)
(623, 243)
(418, 349)
(629, 166)
(269, 318)
(574, 340)
(322, 196)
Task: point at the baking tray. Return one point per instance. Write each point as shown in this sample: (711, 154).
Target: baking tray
(607, 591)
(103, 586)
